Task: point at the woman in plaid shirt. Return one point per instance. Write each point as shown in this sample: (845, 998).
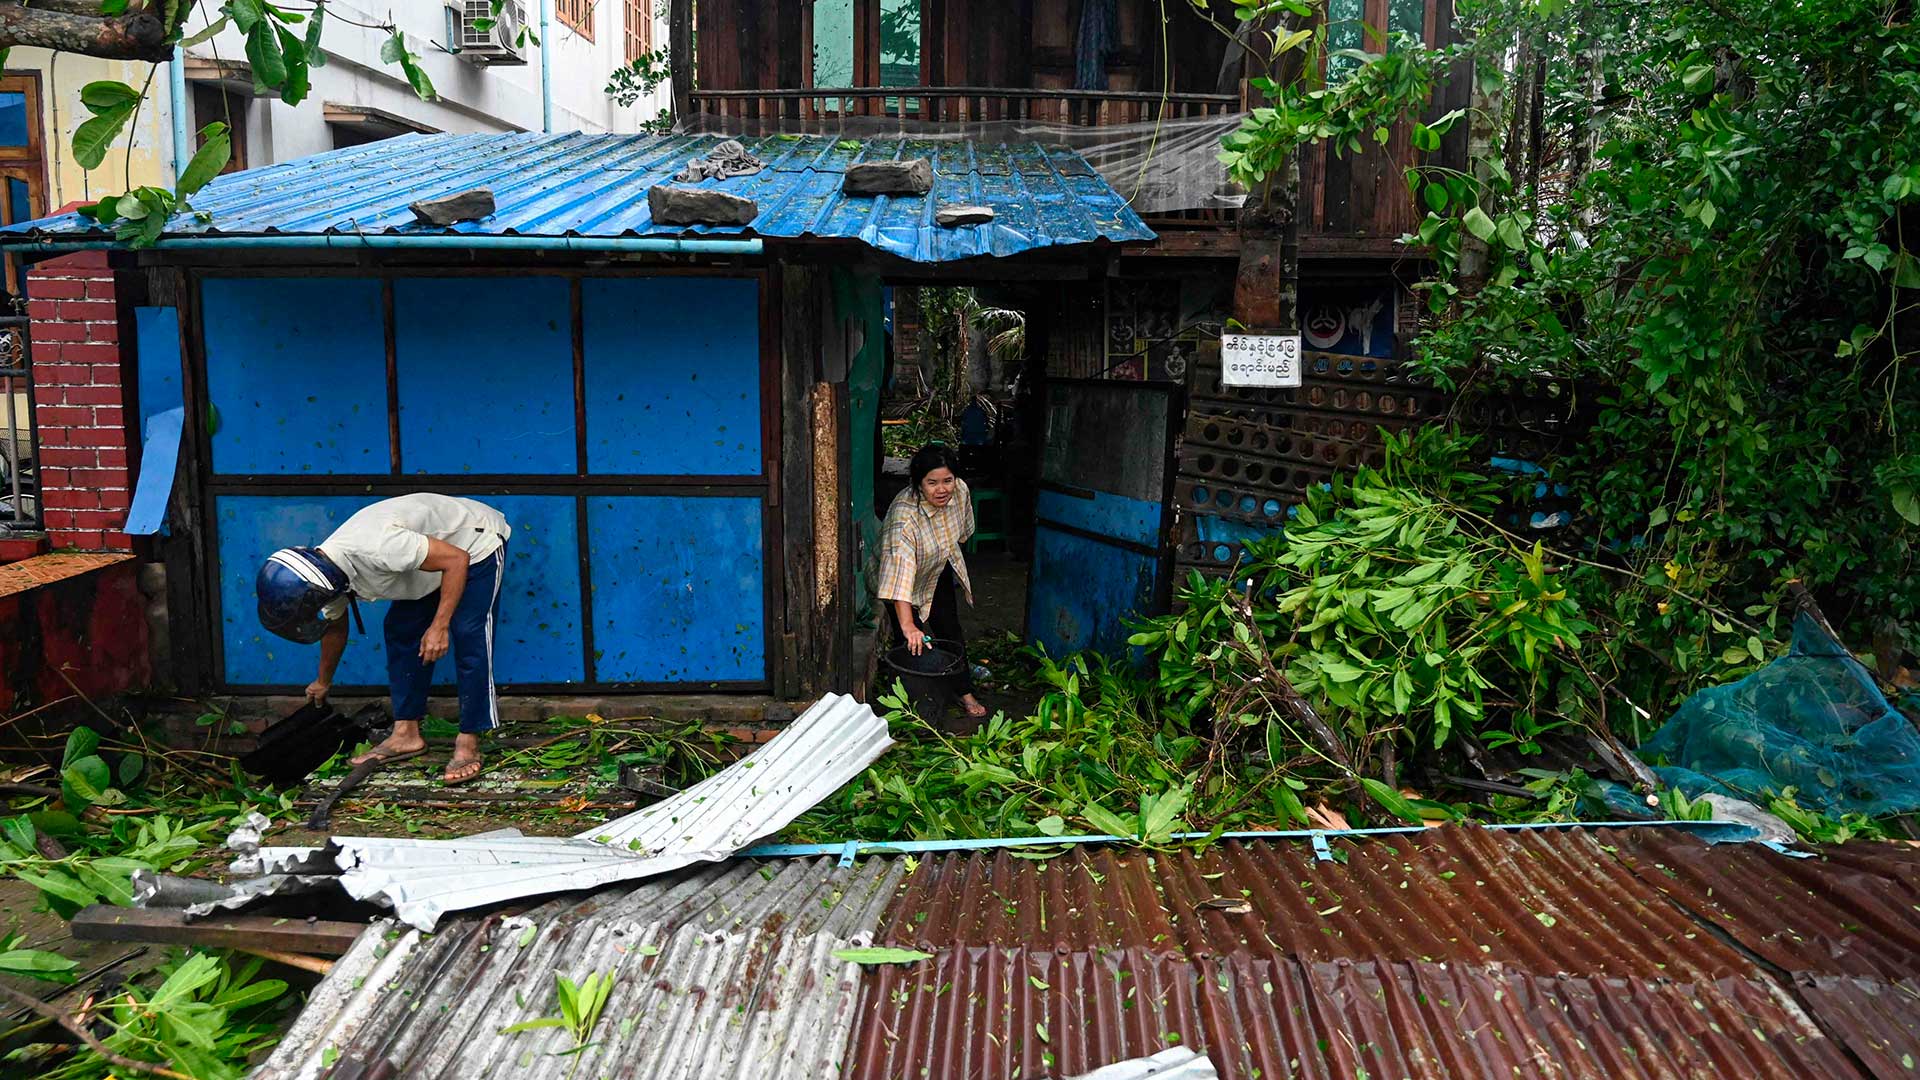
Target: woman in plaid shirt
(922, 572)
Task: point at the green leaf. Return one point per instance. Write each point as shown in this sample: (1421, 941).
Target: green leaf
(315, 56)
(1511, 236)
(392, 49)
(81, 743)
(1159, 815)
(1105, 821)
(417, 78)
(215, 152)
(131, 765)
(1051, 825)
(1480, 225)
(1390, 800)
(526, 936)
(37, 964)
(255, 993)
(213, 30)
(534, 1025)
(881, 955)
(84, 782)
(108, 95)
(263, 51)
(1907, 505)
(297, 81)
(1435, 196)
(57, 884)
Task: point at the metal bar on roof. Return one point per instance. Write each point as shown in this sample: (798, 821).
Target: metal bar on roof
(1710, 831)
(669, 245)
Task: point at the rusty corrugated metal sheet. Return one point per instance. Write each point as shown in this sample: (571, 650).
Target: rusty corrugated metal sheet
(1546, 902)
(1878, 1021)
(1850, 910)
(1458, 952)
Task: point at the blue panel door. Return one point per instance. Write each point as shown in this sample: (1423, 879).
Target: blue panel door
(297, 375)
(678, 589)
(1097, 544)
(537, 638)
(485, 370)
(672, 375)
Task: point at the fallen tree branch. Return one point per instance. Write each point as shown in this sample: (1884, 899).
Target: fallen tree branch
(35, 1005)
(141, 36)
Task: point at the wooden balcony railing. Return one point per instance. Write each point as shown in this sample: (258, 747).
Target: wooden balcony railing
(823, 109)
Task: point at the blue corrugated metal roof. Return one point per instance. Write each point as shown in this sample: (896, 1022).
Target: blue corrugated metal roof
(582, 185)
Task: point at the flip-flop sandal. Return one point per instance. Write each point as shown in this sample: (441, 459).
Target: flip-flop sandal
(449, 777)
(377, 756)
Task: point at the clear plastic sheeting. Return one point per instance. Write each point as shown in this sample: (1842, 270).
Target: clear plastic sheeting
(1159, 167)
(1813, 721)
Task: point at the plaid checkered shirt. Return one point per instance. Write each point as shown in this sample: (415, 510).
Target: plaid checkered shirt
(918, 541)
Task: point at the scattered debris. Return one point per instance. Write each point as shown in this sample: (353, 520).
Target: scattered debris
(1727, 808)
(954, 216)
(913, 176)
(470, 205)
(698, 206)
(723, 162)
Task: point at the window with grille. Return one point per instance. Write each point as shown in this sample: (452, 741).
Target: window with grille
(577, 14)
(639, 28)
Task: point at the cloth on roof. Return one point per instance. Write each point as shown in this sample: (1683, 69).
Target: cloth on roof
(725, 161)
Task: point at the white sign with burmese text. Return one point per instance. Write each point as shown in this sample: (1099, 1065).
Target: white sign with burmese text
(1262, 360)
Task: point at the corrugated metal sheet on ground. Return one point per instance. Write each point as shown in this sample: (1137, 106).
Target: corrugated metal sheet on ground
(721, 972)
(1452, 953)
(814, 756)
(586, 185)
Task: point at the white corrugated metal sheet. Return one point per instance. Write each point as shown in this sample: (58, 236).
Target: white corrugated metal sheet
(822, 750)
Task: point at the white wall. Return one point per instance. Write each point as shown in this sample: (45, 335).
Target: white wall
(473, 97)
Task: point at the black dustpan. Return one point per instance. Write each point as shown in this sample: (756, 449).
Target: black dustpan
(290, 750)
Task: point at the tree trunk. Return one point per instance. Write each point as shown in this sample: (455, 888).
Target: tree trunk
(140, 36)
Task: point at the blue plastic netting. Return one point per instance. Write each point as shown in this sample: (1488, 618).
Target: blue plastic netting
(1812, 720)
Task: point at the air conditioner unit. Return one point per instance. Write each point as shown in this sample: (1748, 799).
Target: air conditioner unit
(496, 44)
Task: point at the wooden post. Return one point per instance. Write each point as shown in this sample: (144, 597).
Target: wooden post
(796, 671)
(1266, 288)
(680, 58)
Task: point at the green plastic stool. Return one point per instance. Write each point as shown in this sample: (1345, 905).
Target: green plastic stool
(999, 532)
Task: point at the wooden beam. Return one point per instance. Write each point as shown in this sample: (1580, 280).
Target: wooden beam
(797, 671)
(165, 926)
(680, 57)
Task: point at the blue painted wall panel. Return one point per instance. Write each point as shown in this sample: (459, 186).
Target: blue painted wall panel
(157, 341)
(1105, 513)
(537, 638)
(1083, 591)
(251, 527)
(485, 370)
(672, 375)
(297, 374)
(678, 589)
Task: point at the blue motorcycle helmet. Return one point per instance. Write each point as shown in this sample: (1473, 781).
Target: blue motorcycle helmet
(301, 593)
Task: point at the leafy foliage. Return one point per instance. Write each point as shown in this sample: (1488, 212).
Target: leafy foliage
(207, 1018)
(1716, 231)
(580, 1006)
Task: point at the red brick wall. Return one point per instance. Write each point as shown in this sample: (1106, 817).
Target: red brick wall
(71, 617)
(85, 488)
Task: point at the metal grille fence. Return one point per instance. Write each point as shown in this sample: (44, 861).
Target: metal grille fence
(19, 490)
